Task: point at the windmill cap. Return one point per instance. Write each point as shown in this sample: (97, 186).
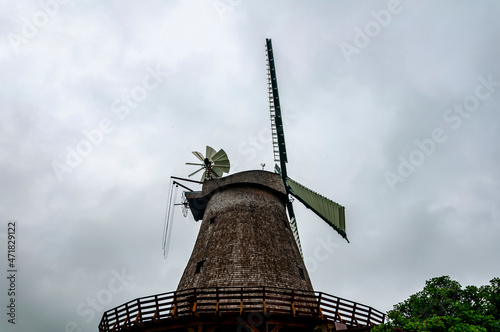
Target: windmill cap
(198, 200)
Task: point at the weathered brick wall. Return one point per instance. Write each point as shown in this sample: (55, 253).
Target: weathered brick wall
(245, 238)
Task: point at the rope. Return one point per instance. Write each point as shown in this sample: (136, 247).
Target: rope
(167, 227)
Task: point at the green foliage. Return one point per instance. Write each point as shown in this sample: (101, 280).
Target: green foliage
(444, 306)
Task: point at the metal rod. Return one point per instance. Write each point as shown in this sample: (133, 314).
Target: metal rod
(194, 181)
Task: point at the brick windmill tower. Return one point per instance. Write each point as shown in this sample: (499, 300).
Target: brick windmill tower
(246, 271)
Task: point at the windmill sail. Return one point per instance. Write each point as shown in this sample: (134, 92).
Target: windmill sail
(277, 130)
(220, 163)
(278, 133)
(325, 208)
(293, 226)
(214, 164)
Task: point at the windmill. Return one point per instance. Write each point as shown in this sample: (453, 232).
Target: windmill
(246, 270)
(332, 213)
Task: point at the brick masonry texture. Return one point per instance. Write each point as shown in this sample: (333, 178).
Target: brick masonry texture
(245, 238)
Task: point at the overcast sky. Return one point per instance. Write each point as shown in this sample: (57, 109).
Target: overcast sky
(391, 109)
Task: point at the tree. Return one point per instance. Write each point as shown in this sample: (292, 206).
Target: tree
(443, 305)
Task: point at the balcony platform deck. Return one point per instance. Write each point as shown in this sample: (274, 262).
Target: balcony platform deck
(250, 308)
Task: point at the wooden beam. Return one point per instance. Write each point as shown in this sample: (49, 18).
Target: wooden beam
(340, 318)
(276, 328)
(174, 312)
(194, 309)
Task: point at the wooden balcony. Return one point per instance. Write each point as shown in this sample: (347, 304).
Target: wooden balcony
(246, 306)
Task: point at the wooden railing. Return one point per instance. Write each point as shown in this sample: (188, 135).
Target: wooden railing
(221, 301)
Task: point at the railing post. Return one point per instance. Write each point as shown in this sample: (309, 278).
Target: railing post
(174, 311)
(241, 300)
(264, 299)
(193, 310)
(139, 311)
(354, 314)
(127, 319)
(157, 307)
(217, 301)
(320, 312)
(337, 310)
(106, 321)
(117, 322)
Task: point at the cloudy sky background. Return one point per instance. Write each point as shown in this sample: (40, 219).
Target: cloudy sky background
(352, 119)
